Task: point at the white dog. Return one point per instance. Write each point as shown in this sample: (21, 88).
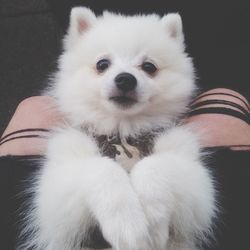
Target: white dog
(120, 163)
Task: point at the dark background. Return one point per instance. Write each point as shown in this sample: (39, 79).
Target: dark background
(217, 37)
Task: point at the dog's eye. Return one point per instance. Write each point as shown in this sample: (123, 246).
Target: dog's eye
(102, 65)
(149, 68)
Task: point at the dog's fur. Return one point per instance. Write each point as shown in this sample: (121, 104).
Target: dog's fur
(166, 201)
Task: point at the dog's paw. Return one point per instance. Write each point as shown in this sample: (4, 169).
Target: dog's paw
(127, 232)
(152, 181)
(176, 191)
(70, 142)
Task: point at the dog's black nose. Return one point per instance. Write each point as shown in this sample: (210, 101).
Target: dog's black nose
(125, 82)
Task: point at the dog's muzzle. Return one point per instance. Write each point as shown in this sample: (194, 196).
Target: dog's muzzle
(125, 92)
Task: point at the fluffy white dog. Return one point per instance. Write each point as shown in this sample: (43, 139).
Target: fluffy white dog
(120, 162)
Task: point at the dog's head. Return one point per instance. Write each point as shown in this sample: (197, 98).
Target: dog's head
(123, 73)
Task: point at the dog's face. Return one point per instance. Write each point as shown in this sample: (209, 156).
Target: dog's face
(119, 70)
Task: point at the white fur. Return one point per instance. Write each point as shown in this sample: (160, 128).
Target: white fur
(167, 200)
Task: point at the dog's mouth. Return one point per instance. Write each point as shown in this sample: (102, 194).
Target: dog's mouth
(123, 100)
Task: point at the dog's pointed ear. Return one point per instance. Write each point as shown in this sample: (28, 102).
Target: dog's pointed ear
(81, 19)
(173, 25)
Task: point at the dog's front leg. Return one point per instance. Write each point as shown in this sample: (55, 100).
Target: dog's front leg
(76, 188)
(176, 191)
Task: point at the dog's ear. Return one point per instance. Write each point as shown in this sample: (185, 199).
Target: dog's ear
(173, 25)
(81, 19)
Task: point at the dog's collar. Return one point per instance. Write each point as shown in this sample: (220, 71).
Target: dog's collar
(126, 150)
(143, 142)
